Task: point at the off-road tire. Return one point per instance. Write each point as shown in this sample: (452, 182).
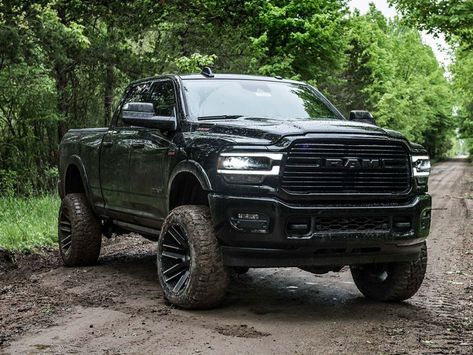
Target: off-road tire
(207, 278)
(82, 247)
(402, 279)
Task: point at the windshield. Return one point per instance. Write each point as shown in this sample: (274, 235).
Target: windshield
(217, 98)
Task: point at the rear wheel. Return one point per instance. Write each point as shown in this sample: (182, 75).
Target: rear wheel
(79, 231)
(391, 281)
(189, 260)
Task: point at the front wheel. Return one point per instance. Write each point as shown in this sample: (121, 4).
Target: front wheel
(391, 281)
(189, 260)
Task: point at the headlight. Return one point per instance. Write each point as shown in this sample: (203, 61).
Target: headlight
(421, 165)
(248, 167)
(231, 164)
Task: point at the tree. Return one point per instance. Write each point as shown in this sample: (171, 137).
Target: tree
(297, 39)
(454, 18)
(64, 64)
(392, 73)
(462, 71)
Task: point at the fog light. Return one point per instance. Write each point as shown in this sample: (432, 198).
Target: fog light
(253, 216)
(250, 222)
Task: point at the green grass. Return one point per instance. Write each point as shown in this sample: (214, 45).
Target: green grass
(28, 223)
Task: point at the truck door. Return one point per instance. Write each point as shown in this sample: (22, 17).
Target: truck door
(149, 160)
(117, 146)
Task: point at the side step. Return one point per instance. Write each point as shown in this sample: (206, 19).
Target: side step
(147, 232)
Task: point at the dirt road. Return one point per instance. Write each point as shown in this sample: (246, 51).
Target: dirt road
(117, 306)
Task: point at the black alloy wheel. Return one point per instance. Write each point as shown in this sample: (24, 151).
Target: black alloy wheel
(176, 258)
(65, 232)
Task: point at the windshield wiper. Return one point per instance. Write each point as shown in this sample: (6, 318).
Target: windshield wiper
(219, 117)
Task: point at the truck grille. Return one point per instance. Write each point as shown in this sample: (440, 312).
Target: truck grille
(349, 224)
(346, 166)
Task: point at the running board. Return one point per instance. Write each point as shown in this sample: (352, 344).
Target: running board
(137, 228)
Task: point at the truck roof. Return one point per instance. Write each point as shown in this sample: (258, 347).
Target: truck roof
(236, 77)
(220, 76)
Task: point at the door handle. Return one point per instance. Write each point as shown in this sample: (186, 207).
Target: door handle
(137, 145)
(107, 144)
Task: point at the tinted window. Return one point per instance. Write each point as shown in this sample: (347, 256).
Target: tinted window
(159, 93)
(253, 98)
(163, 98)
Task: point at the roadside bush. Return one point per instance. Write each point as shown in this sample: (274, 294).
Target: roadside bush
(27, 223)
(8, 182)
(28, 182)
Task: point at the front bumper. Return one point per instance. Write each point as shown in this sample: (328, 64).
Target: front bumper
(355, 234)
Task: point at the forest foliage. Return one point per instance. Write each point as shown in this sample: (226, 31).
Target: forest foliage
(64, 64)
(454, 19)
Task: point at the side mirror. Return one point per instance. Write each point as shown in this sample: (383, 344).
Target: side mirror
(142, 114)
(362, 116)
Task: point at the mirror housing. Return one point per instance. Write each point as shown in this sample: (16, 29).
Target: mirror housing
(142, 114)
(362, 116)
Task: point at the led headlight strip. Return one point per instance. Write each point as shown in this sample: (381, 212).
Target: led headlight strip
(250, 163)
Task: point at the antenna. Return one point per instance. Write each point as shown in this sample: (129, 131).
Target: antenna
(206, 71)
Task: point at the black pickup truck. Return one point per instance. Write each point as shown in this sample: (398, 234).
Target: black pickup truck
(230, 172)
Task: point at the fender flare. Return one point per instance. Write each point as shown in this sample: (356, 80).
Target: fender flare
(194, 168)
(77, 162)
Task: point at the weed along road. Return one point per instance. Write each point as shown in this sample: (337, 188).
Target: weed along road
(117, 306)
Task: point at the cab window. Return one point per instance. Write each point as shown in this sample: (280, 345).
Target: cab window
(163, 98)
(160, 93)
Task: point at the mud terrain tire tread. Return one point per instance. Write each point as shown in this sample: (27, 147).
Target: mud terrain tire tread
(86, 231)
(209, 277)
(404, 279)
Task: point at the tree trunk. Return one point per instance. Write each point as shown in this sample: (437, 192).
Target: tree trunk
(61, 83)
(108, 93)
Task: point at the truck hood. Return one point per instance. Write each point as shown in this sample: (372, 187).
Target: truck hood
(269, 131)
